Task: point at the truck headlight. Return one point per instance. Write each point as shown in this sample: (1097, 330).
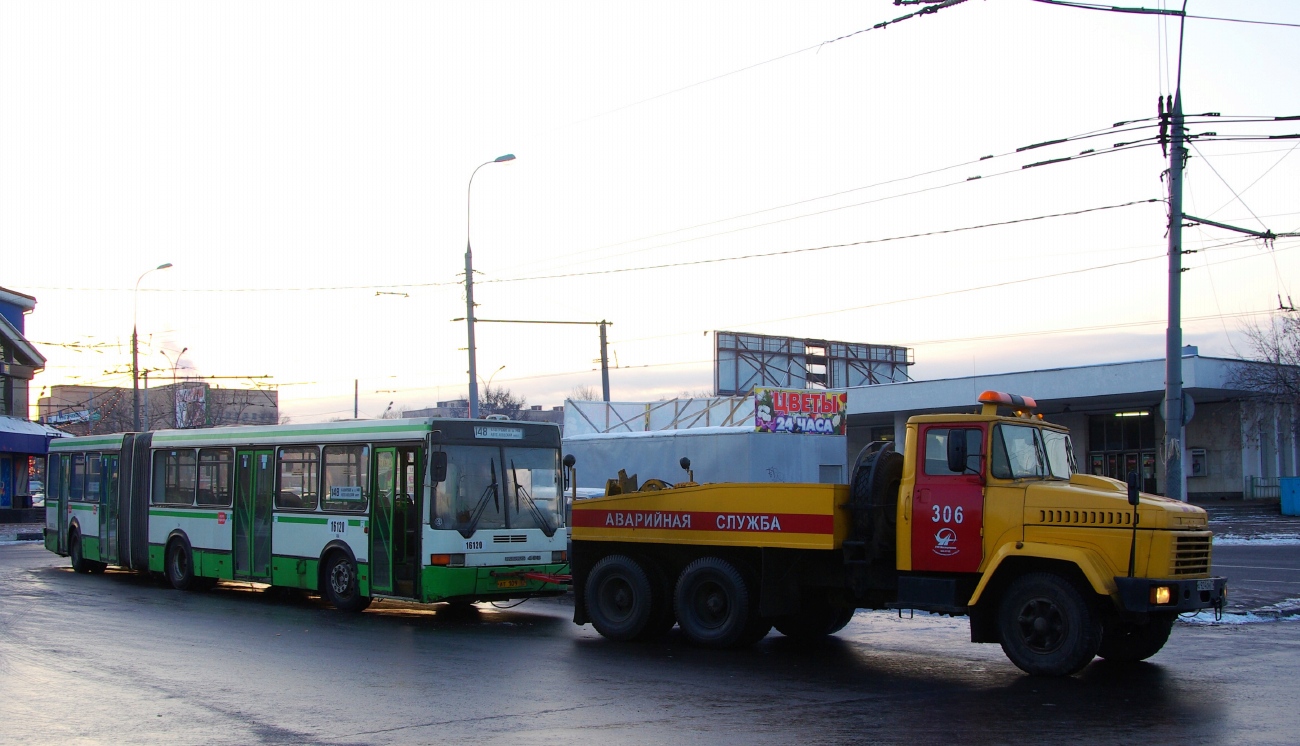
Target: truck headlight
(1160, 595)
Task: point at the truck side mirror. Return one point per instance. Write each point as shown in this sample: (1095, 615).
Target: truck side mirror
(957, 451)
(1133, 488)
(438, 466)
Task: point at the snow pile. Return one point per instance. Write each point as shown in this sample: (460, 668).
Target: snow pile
(1287, 610)
(1257, 540)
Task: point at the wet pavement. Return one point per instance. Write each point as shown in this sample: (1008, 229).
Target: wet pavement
(117, 658)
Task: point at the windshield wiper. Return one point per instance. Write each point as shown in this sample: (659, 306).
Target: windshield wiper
(489, 491)
(544, 524)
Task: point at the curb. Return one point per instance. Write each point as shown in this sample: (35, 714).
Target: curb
(22, 536)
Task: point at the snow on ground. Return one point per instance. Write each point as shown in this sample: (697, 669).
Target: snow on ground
(1257, 540)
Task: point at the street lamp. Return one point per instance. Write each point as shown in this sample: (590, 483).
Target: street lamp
(135, 348)
(174, 364)
(469, 291)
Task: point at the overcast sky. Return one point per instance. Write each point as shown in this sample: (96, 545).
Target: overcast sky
(304, 167)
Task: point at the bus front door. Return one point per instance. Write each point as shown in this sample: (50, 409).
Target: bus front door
(254, 485)
(108, 509)
(383, 487)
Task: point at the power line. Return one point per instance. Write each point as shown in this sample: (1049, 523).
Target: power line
(787, 252)
(1159, 12)
(819, 45)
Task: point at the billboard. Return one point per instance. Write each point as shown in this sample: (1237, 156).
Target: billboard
(743, 361)
(818, 412)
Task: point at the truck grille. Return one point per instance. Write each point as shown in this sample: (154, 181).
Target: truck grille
(1086, 517)
(1191, 554)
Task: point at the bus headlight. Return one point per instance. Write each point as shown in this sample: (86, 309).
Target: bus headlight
(1160, 595)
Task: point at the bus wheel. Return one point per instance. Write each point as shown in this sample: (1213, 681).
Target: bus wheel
(1128, 642)
(1047, 626)
(340, 586)
(180, 565)
(619, 598)
(712, 604)
(79, 561)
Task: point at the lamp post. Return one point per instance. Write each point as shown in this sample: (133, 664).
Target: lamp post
(469, 291)
(135, 348)
(174, 364)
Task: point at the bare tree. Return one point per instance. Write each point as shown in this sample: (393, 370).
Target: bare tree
(584, 393)
(1275, 350)
(498, 400)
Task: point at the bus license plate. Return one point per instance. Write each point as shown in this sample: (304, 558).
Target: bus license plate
(511, 583)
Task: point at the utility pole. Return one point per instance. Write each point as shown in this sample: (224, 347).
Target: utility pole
(604, 346)
(1175, 480)
(356, 397)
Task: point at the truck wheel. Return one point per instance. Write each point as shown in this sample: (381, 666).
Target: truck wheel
(341, 587)
(713, 606)
(1129, 642)
(816, 619)
(662, 617)
(1047, 626)
(180, 566)
(619, 598)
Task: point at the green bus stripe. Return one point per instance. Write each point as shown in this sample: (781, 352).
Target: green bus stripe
(182, 514)
(300, 519)
(354, 522)
(82, 506)
(245, 437)
(72, 443)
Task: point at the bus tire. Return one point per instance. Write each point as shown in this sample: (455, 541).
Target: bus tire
(180, 565)
(341, 584)
(1047, 626)
(79, 561)
(1130, 642)
(713, 606)
(619, 598)
(818, 618)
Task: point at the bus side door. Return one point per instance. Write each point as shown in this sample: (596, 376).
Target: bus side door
(254, 487)
(383, 486)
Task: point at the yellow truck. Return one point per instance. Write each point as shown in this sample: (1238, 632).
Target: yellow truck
(982, 516)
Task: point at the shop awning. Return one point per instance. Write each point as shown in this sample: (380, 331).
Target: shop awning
(21, 436)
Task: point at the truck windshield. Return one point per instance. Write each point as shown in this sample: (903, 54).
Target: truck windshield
(1027, 452)
(489, 487)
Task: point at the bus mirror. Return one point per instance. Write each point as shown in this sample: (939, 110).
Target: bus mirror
(1133, 488)
(438, 466)
(569, 461)
(957, 462)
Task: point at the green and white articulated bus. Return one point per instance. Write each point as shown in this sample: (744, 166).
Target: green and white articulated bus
(420, 509)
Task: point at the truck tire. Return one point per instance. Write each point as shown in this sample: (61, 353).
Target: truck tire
(1129, 642)
(619, 598)
(816, 619)
(874, 503)
(713, 605)
(1047, 626)
(662, 618)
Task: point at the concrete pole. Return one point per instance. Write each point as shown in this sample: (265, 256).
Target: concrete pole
(1175, 479)
(604, 362)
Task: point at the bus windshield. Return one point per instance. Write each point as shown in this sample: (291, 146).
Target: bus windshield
(499, 488)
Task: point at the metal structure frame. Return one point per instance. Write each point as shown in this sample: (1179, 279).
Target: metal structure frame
(744, 361)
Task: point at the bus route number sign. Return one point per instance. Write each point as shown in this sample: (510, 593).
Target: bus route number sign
(338, 527)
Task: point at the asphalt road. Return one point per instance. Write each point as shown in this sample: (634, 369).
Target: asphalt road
(1261, 579)
(118, 658)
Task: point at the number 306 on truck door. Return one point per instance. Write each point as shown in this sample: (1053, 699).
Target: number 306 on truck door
(948, 505)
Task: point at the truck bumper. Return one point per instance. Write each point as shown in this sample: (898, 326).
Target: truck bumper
(1142, 595)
